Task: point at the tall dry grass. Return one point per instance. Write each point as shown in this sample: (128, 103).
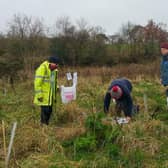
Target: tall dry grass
(120, 70)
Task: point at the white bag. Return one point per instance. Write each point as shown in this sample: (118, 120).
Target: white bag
(75, 78)
(69, 76)
(68, 93)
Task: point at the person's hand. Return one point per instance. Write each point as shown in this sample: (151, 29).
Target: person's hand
(58, 89)
(40, 99)
(128, 119)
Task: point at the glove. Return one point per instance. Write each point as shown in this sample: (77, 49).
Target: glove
(40, 99)
(58, 89)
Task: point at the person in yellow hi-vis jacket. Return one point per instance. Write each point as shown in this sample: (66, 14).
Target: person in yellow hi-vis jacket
(45, 86)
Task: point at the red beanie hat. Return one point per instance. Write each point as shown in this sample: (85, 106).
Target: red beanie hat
(116, 92)
(164, 45)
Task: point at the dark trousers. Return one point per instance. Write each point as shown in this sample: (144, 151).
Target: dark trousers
(121, 106)
(45, 114)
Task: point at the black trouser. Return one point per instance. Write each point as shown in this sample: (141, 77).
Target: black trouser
(45, 114)
(121, 106)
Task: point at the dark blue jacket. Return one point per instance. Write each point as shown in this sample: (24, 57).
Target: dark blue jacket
(164, 70)
(125, 100)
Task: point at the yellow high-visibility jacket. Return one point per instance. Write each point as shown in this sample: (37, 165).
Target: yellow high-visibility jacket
(45, 85)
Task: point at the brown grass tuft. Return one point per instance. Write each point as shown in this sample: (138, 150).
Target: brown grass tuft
(65, 133)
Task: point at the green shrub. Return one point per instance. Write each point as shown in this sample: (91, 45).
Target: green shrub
(103, 133)
(87, 144)
(113, 151)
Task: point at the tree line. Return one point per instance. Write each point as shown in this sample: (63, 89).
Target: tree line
(28, 41)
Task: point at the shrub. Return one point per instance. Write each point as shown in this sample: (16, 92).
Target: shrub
(87, 143)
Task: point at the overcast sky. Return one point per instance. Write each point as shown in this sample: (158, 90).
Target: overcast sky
(109, 14)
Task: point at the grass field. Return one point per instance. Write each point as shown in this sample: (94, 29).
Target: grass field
(76, 136)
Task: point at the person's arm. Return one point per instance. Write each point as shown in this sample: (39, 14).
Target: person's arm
(39, 77)
(161, 71)
(107, 100)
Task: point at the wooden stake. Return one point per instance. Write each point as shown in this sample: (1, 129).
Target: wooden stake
(4, 137)
(145, 103)
(10, 144)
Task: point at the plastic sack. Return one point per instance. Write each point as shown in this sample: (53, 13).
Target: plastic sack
(69, 76)
(68, 93)
(75, 78)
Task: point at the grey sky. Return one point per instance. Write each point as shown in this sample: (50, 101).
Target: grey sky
(109, 14)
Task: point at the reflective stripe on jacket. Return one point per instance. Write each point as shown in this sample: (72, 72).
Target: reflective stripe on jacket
(45, 83)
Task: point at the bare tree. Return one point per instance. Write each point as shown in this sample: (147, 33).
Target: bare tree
(82, 24)
(126, 32)
(155, 32)
(27, 39)
(22, 26)
(64, 27)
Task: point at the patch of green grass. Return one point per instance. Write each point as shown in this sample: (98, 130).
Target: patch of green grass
(113, 151)
(87, 143)
(136, 159)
